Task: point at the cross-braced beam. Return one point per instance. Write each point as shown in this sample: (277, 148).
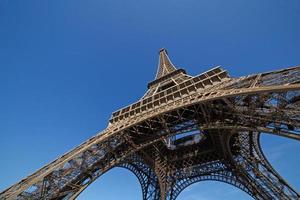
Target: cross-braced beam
(185, 129)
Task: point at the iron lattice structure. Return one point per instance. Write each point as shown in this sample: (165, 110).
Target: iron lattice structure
(185, 129)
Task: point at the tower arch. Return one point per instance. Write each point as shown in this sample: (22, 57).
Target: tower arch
(155, 137)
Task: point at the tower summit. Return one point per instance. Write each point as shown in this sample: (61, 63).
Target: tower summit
(167, 75)
(165, 66)
(184, 130)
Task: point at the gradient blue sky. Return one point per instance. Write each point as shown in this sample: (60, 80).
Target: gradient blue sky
(65, 66)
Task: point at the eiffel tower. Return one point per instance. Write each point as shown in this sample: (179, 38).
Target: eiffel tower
(184, 129)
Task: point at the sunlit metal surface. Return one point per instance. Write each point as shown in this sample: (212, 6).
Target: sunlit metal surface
(185, 129)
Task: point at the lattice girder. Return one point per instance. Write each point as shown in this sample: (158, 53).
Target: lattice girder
(194, 112)
(252, 162)
(217, 172)
(217, 107)
(145, 175)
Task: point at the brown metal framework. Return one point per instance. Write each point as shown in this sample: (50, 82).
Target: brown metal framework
(185, 129)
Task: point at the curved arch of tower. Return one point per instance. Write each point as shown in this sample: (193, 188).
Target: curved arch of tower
(184, 129)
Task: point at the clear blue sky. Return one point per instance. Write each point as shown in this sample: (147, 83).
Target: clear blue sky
(66, 65)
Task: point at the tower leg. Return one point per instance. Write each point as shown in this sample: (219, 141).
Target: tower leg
(146, 176)
(258, 174)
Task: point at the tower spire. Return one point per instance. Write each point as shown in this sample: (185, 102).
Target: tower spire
(165, 66)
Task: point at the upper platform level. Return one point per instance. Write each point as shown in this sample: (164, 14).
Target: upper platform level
(170, 84)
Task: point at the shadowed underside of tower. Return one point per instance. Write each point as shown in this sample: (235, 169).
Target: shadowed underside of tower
(184, 129)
